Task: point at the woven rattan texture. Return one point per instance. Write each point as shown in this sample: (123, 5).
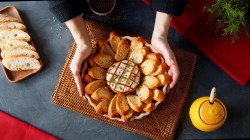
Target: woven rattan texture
(160, 124)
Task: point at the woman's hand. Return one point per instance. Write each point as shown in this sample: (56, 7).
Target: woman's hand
(79, 32)
(160, 43)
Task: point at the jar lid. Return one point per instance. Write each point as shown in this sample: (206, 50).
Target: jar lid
(212, 114)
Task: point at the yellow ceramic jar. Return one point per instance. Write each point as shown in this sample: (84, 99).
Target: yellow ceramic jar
(208, 116)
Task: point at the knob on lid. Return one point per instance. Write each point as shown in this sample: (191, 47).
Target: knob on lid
(212, 114)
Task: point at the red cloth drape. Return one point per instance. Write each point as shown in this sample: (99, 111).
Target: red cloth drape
(14, 129)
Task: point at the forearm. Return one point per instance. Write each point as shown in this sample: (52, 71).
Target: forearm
(162, 24)
(79, 32)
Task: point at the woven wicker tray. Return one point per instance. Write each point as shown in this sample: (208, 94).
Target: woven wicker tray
(160, 124)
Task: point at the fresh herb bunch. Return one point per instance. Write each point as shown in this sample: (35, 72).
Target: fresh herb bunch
(230, 15)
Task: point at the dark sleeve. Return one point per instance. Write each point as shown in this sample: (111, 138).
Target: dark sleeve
(67, 9)
(173, 7)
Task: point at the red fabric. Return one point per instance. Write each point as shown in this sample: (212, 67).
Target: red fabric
(147, 2)
(14, 129)
(234, 59)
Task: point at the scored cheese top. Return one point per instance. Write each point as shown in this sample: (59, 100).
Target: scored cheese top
(123, 77)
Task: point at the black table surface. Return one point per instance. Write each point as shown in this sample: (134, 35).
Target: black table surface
(29, 100)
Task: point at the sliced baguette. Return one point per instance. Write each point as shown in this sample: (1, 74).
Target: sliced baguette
(114, 39)
(122, 50)
(19, 52)
(92, 86)
(101, 94)
(137, 56)
(148, 107)
(122, 104)
(12, 25)
(97, 72)
(16, 63)
(159, 69)
(91, 61)
(102, 107)
(158, 95)
(154, 56)
(164, 79)
(112, 111)
(87, 78)
(151, 82)
(144, 93)
(7, 18)
(103, 60)
(104, 47)
(16, 44)
(148, 66)
(137, 43)
(127, 117)
(134, 102)
(14, 34)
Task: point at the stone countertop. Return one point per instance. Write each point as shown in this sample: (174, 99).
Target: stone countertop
(29, 100)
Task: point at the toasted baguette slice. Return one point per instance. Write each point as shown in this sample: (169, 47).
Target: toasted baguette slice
(112, 111)
(16, 63)
(148, 107)
(160, 69)
(122, 104)
(151, 82)
(14, 34)
(154, 56)
(114, 39)
(92, 86)
(134, 102)
(101, 94)
(104, 47)
(148, 66)
(137, 43)
(158, 95)
(127, 117)
(103, 60)
(7, 18)
(144, 93)
(137, 56)
(12, 25)
(164, 79)
(122, 50)
(87, 78)
(19, 52)
(102, 107)
(16, 44)
(97, 72)
(91, 61)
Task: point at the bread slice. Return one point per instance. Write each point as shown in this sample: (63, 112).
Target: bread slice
(7, 18)
(102, 107)
(97, 72)
(92, 86)
(91, 61)
(154, 56)
(16, 63)
(112, 111)
(164, 79)
(127, 117)
(151, 82)
(148, 66)
(103, 60)
(122, 49)
(16, 44)
(14, 34)
(122, 104)
(144, 93)
(137, 56)
(101, 94)
(137, 43)
(134, 102)
(19, 52)
(148, 107)
(159, 69)
(114, 39)
(87, 78)
(12, 25)
(158, 95)
(104, 47)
